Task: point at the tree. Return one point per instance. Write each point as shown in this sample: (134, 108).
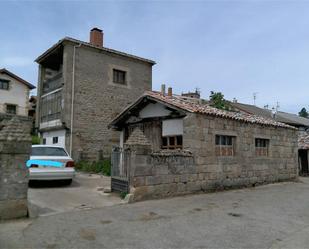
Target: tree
(303, 113)
(217, 100)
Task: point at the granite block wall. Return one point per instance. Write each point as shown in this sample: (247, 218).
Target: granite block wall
(197, 168)
(15, 147)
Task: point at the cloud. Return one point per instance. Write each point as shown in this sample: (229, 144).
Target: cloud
(16, 61)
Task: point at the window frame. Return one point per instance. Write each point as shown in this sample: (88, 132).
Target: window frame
(225, 145)
(177, 144)
(261, 146)
(10, 105)
(55, 140)
(2, 82)
(116, 76)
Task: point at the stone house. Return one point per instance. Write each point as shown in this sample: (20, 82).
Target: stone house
(82, 86)
(173, 145)
(301, 123)
(14, 93)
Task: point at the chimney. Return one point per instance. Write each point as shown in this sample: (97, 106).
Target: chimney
(163, 89)
(170, 92)
(96, 37)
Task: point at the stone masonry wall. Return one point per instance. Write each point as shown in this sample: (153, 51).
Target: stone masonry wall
(97, 99)
(15, 147)
(197, 168)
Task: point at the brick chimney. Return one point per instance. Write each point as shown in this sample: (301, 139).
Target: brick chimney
(170, 92)
(96, 37)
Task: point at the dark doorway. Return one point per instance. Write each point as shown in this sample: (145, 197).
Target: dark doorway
(303, 157)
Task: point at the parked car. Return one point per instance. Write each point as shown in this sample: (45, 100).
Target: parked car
(42, 163)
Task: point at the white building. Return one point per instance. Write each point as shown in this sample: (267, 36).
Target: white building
(14, 93)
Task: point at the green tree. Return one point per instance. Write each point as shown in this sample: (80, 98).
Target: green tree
(217, 100)
(303, 113)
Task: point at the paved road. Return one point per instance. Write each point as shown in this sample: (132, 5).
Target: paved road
(85, 192)
(272, 216)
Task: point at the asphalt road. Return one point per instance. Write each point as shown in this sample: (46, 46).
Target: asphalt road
(85, 192)
(271, 216)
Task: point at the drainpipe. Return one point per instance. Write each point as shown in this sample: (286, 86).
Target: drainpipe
(72, 96)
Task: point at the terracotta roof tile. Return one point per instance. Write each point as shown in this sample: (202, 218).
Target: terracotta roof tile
(200, 106)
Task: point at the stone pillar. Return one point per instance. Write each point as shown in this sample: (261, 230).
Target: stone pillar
(15, 146)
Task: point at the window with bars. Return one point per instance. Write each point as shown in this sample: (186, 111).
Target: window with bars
(261, 147)
(119, 76)
(4, 84)
(225, 145)
(11, 109)
(172, 142)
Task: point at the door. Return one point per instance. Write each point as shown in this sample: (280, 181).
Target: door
(303, 157)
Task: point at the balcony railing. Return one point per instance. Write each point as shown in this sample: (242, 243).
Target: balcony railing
(53, 83)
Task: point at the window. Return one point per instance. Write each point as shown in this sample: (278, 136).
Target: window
(44, 140)
(261, 147)
(48, 151)
(172, 142)
(4, 84)
(55, 140)
(119, 76)
(11, 109)
(51, 107)
(225, 145)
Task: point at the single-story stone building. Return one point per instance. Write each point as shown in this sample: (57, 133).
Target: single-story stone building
(172, 145)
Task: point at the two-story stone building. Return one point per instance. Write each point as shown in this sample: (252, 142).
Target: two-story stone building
(14, 93)
(81, 87)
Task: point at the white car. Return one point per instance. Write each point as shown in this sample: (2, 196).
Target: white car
(49, 162)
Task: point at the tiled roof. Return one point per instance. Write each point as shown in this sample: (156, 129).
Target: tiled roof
(303, 141)
(109, 50)
(7, 72)
(283, 117)
(200, 106)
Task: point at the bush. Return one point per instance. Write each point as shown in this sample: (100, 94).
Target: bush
(123, 195)
(103, 167)
(35, 140)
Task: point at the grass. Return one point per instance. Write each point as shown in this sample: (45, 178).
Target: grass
(103, 167)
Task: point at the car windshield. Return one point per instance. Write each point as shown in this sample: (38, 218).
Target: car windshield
(48, 151)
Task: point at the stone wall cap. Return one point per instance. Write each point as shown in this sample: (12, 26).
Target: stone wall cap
(14, 130)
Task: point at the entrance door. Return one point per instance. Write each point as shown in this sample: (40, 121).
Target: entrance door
(303, 157)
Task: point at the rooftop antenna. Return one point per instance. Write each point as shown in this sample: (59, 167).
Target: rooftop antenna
(277, 106)
(254, 97)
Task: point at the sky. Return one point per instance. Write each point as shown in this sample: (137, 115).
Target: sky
(235, 47)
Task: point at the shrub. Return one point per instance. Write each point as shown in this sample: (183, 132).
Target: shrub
(35, 140)
(103, 167)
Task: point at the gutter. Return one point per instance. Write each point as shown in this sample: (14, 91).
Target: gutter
(72, 96)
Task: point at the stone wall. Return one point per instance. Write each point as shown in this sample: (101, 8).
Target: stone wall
(97, 99)
(15, 146)
(197, 168)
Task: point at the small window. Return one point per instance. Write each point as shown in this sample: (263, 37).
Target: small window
(4, 84)
(44, 141)
(11, 109)
(119, 76)
(225, 145)
(55, 140)
(172, 142)
(261, 147)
